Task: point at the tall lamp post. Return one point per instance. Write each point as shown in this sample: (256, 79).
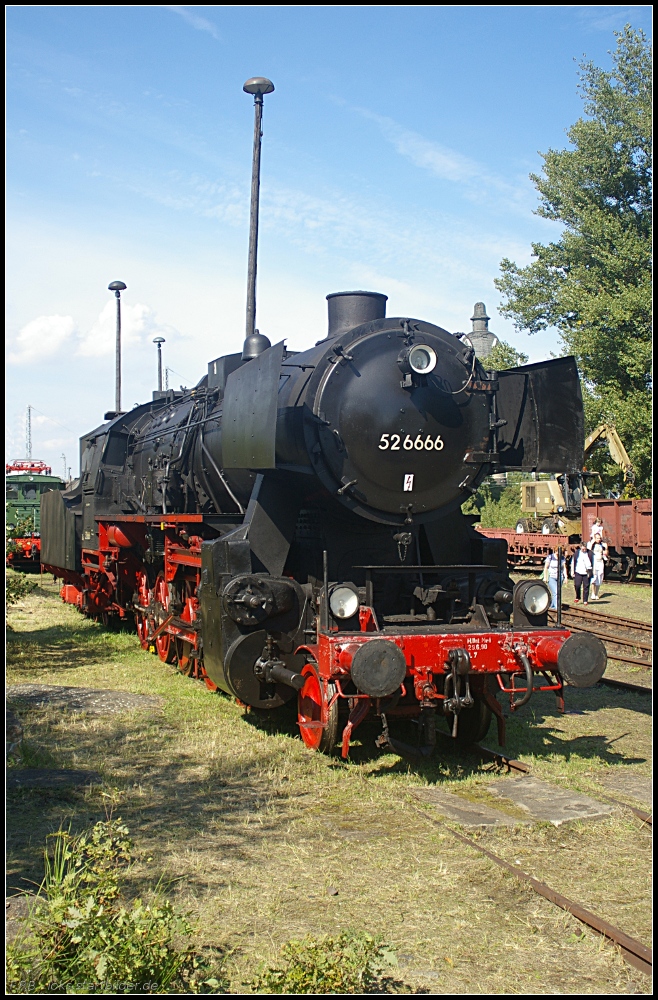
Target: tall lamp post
(28, 433)
(159, 341)
(258, 86)
(117, 287)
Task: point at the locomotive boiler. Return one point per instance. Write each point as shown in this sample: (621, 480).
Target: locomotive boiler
(292, 526)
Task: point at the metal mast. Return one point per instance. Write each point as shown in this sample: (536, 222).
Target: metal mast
(28, 433)
(159, 341)
(258, 86)
(117, 287)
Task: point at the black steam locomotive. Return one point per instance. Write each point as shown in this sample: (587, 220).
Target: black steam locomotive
(292, 527)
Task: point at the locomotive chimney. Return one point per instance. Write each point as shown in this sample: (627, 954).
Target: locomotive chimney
(349, 309)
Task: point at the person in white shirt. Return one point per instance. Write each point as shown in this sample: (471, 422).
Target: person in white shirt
(596, 529)
(550, 574)
(599, 554)
(581, 571)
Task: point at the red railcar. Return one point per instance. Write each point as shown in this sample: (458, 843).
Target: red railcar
(627, 529)
(528, 548)
(26, 550)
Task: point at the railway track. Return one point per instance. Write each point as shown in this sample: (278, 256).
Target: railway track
(634, 952)
(622, 637)
(626, 686)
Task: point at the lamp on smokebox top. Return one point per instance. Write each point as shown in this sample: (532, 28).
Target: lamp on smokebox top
(159, 341)
(117, 287)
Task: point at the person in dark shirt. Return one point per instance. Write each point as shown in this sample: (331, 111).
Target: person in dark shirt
(581, 571)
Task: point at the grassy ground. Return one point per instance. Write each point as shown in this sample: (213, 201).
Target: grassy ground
(252, 829)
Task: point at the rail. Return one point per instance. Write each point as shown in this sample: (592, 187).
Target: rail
(618, 634)
(634, 952)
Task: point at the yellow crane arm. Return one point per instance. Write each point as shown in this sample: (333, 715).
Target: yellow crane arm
(618, 453)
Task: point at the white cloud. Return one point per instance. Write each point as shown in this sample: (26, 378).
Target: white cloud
(197, 22)
(42, 338)
(47, 336)
(440, 160)
(477, 182)
(607, 18)
(138, 324)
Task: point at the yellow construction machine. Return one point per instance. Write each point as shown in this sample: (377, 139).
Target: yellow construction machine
(552, 506)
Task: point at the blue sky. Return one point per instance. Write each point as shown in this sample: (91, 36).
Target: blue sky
(396, 154)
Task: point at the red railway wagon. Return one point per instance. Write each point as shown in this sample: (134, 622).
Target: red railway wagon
(26, 550)
(627, 528)
(528, 548)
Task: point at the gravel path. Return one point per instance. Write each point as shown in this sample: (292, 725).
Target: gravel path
(77, 699)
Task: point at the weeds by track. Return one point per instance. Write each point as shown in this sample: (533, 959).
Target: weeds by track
(633, 951)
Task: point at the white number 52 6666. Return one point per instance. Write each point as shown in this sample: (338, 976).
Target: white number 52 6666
(418, 443)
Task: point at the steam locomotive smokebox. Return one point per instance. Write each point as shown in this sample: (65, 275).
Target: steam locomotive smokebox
(350, 309)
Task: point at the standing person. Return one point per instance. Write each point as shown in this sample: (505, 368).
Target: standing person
(596, 529)
(599, 555)
(550, 574)
(581, 570)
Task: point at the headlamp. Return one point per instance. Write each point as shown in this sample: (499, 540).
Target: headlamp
(422, 359)
(536, 598)
(344, 601)
(418, 360)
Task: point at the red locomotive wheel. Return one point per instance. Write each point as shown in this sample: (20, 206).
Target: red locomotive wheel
(310, 705)
(164, 643)
(206, 680)
(183, 658)
(186, 662)
(142, 625)
(141, 618)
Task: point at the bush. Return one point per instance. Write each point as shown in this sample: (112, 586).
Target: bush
(495, 512)
(23, 528)
(348, 963)
(502, 513)
(82, 939)
(17, 586)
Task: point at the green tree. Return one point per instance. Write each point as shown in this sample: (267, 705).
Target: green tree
(594, 283)
(503, 356)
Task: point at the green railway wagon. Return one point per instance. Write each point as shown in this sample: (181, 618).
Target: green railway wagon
(24, 498)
